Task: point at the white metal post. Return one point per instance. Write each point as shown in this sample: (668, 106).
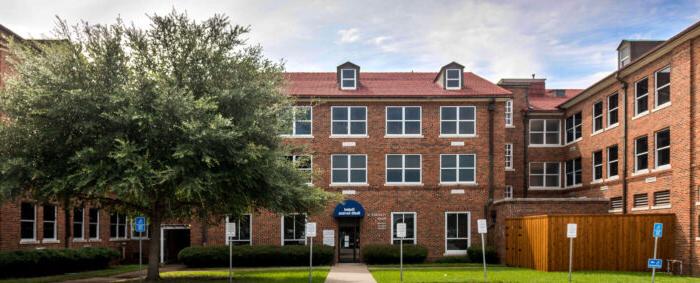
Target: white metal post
(483, 255)
(653, 269)
(311, 256)
(571, 256)
(401, 257)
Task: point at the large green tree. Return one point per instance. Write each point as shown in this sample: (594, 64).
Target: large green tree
(173, 121)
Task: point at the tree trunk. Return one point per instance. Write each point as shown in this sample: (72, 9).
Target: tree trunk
(154, 247)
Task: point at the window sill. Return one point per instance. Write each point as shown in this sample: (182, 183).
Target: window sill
(118, 239)
(348, 136)
(663, 206)
(139, 238)
(544, 145)
(661, 168)
(458, 136)
(79, 241)
(28, 242)
(510, 126)
(403, 184)
(297, 136)
(403, 136)
(573, 187)
(510, 169)
(640, 172)
(453, 252)
(610, 127)
(573, 142)
(595, 182)
(615, 210)
(640, 115)
(544, 188)
(50, 241)
(597, 132)
(639, 208)
(349, 185)
(94, 240)
(452, 184)
(613, 178)
(603, 188)
(662, 106)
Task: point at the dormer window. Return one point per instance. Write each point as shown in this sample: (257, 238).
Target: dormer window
(348, 79)
(624, 56)
(453, 79)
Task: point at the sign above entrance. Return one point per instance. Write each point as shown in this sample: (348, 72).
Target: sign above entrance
(349, 209)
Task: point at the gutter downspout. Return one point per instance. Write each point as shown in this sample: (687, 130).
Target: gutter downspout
(491, 109)
(624, 143)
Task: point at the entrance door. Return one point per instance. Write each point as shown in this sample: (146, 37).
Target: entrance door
(175, 240)
(349, 240)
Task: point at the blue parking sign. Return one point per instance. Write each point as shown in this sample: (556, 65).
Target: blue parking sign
(140, 224)
(658, 230)
(654, 263)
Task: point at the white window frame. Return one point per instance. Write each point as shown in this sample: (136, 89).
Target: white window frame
(403, 121)
(576, 182)
(457, 169)
(403, 169)
(621, 60)
(600, 116)
(349, 121)
(508, 193)
(415, 227)
(349, 170)
(594, 166)
(544, 133)
(125, 225)
(448, 79)
(509, 156)
(306, 220)
(294, 122)
(353, 79)
(616, 110)
(54, 223)
(610, 161)
(637, 98)
(33, 221)
(657, 87)
(457, 121)
(134, 235)
(82, 224)
(544, 175)
(576, 123)
(469, 233)
(637, 154)
(97, 224)
(657, 149)
(509, 113)
(250, 228)
(309, 171)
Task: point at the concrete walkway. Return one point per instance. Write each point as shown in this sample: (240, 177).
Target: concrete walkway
(349, 272)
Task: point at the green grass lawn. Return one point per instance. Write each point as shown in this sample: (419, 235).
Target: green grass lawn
(118, 269)
(252, 275)
(474, 273)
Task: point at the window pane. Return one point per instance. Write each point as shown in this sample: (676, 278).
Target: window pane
(448, 175)
(663, 77)
(49, 213)
(453, 83)
(466, 161)
(448, 113)
(457, 244)
(452, 225)
(642, 104)
(466, 113)
(348, 73)
(552, 168)
(663, 95)
(552, 125)
(393, 128)
(537, 125)
(412, 161)
(537, 168)
(357, 161)
(340, 113)
(453, 74)
(393, 113)
(412, 113)
(340, 161)
(358, 176)
(466, 175)
(412, 175)
(27, 230)
(448, 128)
(536, 139)
(394, 176)
(663, 139)
(49, 230)
(393, 161)
(412, 128)
(552, 181)
(340, 128)
(27, 212)
(536, 181)
(641, 145)
(642, 162)
(357, 128)
(340, 176)
(463, 227)
(448, 161)
(357, 113)
(642, 87)
(553, 138)
(303, 128)
(466, 128)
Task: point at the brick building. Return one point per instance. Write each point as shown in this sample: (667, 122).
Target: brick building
(439, 150)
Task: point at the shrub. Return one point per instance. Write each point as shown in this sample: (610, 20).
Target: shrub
(31, 263)
(254, 256)
(474, 254)
(389, 254)
(453, 259)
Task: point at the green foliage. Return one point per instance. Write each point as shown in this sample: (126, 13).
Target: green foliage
(32, 263)
(255, 256)
(390, 254)
(453, 259)
(474, 254)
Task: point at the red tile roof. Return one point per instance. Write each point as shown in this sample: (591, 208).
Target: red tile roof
(549, 101)
(389, 84)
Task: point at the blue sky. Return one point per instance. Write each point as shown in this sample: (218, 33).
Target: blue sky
(571, 43)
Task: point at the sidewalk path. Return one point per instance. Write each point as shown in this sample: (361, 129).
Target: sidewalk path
(350, 272)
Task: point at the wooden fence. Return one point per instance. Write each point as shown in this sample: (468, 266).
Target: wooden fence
(604, 242)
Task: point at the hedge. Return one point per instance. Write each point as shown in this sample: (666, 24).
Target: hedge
(43, 262)
(474, 255)
(254, 256)
(389, 254)
(453, 259)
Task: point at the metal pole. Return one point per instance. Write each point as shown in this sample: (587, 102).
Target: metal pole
(483, 255)
(140, 252)
(571, 256)
(230, 260)
(401, 258)
(311, 256)
(653, 270)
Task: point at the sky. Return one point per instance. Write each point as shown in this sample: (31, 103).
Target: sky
(570, 43)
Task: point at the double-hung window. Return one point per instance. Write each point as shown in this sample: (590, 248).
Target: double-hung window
(403, 120)
(509, 156)
(598, 165)
(404, 217)
(573, 172)
(349, 169)
(301, 124)
(641, 154)
(597, 116)
(613, 105)
(94, 223)
(544, 175)
(293, 229)
(349, 121)
(457, 232)
(544, 132)
(458, 168)
(243, 228)
(612, 161)
(78, 223)
(662, 95)
(663, 148)
(117, 226)
(508, 193)
(453, 79)
(573, 128)
(304, 164)
(641, 97)
(457, 120)
(509, 113)
(27, 221)
(348, 79)
(403, 168)
(49, 222)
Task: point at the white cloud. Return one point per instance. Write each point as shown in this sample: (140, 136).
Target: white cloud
(348, 35)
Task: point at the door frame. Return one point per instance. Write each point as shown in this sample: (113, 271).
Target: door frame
(355, 223)
(164, 227)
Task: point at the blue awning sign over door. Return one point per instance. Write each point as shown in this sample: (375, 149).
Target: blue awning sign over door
(349, 209)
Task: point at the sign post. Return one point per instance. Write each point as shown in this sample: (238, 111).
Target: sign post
(140, 227)
(655, 263)
(571, 234)
(401, 234)
(481, 225)
(311, 233)
(230, 233)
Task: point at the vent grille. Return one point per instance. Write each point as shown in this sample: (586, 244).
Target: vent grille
(662, 198)
(641, 200)
(616, 203)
